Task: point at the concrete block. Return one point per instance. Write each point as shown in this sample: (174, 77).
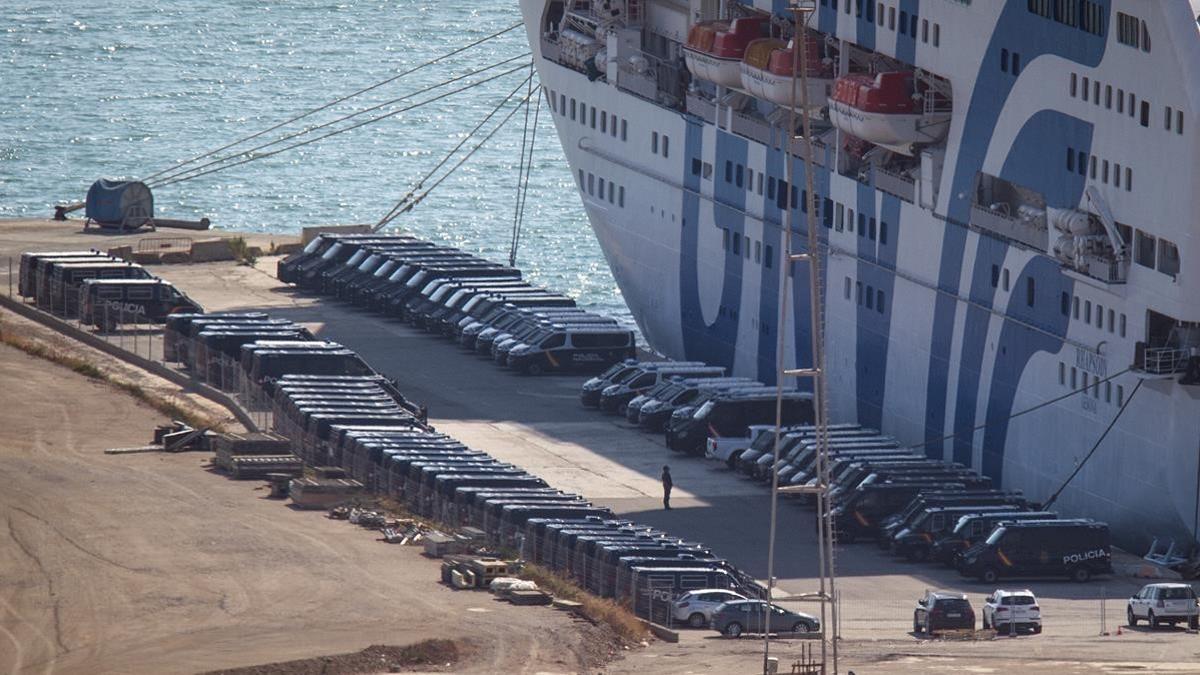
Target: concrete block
(211, 250)
(309, 233)
(288, 249)
(122, 252)
(175, 257)
(145, 257)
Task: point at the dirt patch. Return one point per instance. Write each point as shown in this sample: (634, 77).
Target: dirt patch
(436, 655)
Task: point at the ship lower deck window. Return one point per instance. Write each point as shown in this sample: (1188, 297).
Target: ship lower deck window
(1111, 323)
(724, 239)
(858, 288)
(937, 35)
(1074, 376)
(769, 260)
(1120, 101)
(1004, 276)
(1030, 292)
(592, 116)
(1087, 311)
(624, 129)
(697, 165)
(573, 105)
(1144, 253)
(870, 297)
(925, 30)
(847, 288)
(621, 196)
(654, 142)
(737, 244)
(739, 175)
(1122, 332)
(758, 252)
(666, 145)
(871, 233)
(770, 187)
(1065, 306)
(1168, 258)
(1145, 114)
(1099, 316)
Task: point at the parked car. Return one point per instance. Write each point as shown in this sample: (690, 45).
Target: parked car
(942, 610)
(1164, 603)
(733, 619)
(696, 607)
(1012, 611)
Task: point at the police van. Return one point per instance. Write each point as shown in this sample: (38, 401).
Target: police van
(1078, 549)
(61, 293)
(578, 347)
(31, 261)
(108, 303)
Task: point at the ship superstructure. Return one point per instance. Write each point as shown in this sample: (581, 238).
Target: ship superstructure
(1006, 189)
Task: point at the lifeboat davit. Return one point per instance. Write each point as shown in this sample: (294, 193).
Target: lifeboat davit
(889, 109)
(767, 69)
(715, 48)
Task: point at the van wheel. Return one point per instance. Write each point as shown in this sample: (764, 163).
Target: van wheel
(733, 460)
(1194, 623)
(733, 630)
(916, 624)
(697, 620)
(1130, 618)
(1152, 620)
(918, 554)
(1080, 574)
(989, 575)
(534, 369)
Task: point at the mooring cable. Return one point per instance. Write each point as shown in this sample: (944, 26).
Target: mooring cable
(446, 158)
(187, 174)
(343, 99)
(372, 120)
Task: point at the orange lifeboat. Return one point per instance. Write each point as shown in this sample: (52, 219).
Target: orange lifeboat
(767, 68)
(889, 109)
(715, 48)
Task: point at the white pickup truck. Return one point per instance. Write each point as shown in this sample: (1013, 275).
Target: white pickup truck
(727, 449)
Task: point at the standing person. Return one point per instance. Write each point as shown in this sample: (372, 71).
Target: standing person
(667, 485)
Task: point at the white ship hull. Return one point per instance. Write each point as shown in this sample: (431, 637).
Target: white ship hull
(957, 359)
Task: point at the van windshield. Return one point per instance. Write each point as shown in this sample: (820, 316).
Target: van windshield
(704, 410)
(996, 536)
(1178, 593)
(314, 245)
(332, 251)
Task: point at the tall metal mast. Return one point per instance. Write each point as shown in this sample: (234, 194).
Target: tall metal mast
(802, 10)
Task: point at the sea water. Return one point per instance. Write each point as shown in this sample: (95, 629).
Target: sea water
(126, 88)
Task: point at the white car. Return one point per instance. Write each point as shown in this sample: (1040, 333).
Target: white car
(1012, 611)
(695, 608)
(1164, 603)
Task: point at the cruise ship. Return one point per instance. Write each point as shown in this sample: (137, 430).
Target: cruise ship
(1004, 191)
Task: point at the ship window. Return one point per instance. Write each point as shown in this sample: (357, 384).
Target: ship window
(1167, 118)
(1030, 291)
(879, 301)
(1005, 278)
(1132, 106)
(781, 195)
(1145, 113)
(1062, 373)
(1111, 323)
(624, 128)
(602, 188)
(1016, 64)
(1096, 387)
(1108, 96)
(696, 165)
(708, 171)
(603, 121)
(666, 145)
(770, 259)
(1168, 257)
(882, 232)
(593, 116)
(760, 182)
(862, 222)
(750, 179)
(903, 21)
(847, 288)
(581, 183)
(1096, 92)
(1093, 164)
(654, 142)
(573, 104)
(891, 18)
(1074, 85)
(1120, 101)
(728, 171)
(612, 128)
(739, 175)
(747, 248)
(1104, 172)
(1122, 325)
(828, 212)
(937, 35)
(1004, 60)
(1066, 304)
(1086, 87)
(583, 109)
(1099, 315)
(1117, 175)
(850, 219)
(1108, 392)
(1144, 249)
(858, 9)
(725, 238)
(925, 30)
(870, 297)
(1075, 307)
(737, 244)
(1128, 179)
(1120, 395)
(562, 103)
(770, 187)
(621, 197)
(1070, 159)
(1074, 376)
(912, 26)
(879, 13)
(840, 223)
(859, 291)
(591, 184)
(1179, 121)
(1087, 312)
(795, 197)
(611, 192)
(758, 251)
(871, 233)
